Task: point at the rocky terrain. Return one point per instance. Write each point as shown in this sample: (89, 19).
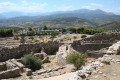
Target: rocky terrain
(103, 67)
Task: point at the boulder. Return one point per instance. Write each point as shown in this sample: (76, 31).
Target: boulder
(81, 73)
(28, 72)
(106, 62)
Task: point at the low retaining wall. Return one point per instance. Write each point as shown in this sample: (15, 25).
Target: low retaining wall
(20, 50)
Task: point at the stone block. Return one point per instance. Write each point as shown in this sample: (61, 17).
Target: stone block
(3, 66)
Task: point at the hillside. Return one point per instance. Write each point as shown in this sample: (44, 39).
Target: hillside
(50, 22)
(111, 26)
(65, 22)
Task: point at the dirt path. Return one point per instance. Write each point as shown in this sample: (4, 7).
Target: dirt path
(61, 77)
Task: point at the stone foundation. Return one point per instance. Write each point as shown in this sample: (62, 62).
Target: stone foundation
(20, 50)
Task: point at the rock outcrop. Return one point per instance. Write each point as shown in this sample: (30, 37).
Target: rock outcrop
(114, 49)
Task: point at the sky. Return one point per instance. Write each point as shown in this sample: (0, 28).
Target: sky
(58, 5)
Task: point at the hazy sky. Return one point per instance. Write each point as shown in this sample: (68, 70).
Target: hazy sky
(58, 5)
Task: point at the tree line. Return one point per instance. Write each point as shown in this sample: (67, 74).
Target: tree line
(89, 31)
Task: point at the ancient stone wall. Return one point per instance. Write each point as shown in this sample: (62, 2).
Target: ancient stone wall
(103, 38)
(96, 42)
(20, 50)
(83, 47)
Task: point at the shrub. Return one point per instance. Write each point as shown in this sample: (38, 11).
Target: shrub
(83, 36)
(32, 62)
(78, 59)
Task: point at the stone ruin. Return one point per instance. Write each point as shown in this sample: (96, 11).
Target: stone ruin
(97, 44)
(10, 69)
(93, 66)
(7, 53)
(62, 53)
(15, 67)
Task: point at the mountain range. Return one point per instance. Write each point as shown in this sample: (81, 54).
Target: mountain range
(81, 17)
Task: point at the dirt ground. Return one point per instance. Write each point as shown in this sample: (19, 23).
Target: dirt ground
(108, 72)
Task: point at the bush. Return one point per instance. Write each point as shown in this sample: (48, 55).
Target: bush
(78, 59)
(32, 62)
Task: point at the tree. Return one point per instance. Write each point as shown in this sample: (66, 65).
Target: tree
(80, 30)
(45, 28)
(63, 30)
(53, 35)
(30, 29)
(72, 30)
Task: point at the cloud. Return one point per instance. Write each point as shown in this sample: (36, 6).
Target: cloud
(93, 6)
(2, 4)
(24, 7)
(66, 8)
(96, 4)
